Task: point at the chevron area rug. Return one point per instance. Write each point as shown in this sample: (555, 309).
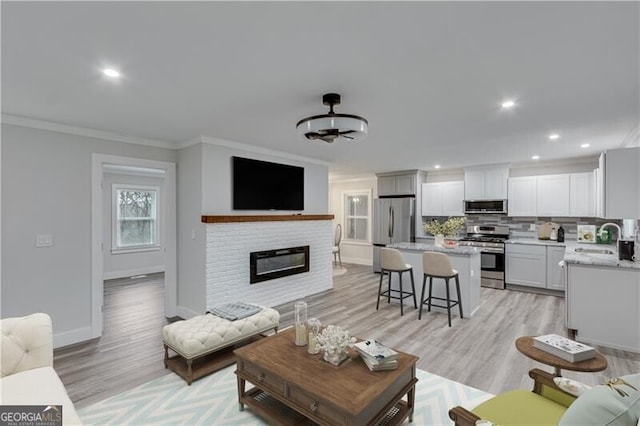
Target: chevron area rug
(213, 400)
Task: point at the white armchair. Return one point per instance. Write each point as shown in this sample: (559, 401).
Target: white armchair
(26, 366)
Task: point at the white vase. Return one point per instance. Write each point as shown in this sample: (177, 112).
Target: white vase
(439, 240)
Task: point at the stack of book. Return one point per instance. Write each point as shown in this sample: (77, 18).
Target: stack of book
(376, 355)
(564, 348)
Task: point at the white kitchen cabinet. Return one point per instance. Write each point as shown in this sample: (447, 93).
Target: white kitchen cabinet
(526, 265)
(581, 195)
(598, 179)
(561, 195)
(555, 273)
(522, 200)
(603, 305)
(553, 195)
(399, 183)
(442, 198)
(621, 187)
(486, 182)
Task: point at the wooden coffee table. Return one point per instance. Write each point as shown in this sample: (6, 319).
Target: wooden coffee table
(525, 345)
(291, 386)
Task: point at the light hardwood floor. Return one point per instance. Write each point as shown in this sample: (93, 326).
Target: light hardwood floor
(478, 351)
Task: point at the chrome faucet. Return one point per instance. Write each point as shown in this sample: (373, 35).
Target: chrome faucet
(611, 224)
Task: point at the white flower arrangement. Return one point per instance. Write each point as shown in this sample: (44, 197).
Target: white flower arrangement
(335, 339)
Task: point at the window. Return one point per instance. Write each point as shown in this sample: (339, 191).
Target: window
(357, 213)
(135, 218)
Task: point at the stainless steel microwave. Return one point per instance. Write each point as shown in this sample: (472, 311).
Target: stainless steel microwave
(485, 206)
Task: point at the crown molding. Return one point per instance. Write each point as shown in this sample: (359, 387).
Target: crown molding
(17, 120)
(254, 149)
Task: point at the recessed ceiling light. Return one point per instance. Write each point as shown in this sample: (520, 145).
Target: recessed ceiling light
(554, 136)
(508, 104)
(437, 166)
(585, 145)
(535, 157)
(110, 72)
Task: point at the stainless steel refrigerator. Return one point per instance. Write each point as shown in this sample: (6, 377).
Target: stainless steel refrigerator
(393, 222)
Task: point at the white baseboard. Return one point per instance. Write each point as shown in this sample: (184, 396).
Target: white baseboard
(187, 313)
(132, 272)
(70, 337)
(358, 260)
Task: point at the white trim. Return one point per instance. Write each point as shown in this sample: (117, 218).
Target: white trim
(333, 178)
(254, 149)
(72, 336)
(133, 272)
(187, 313)
(169, 239)
(34, 123)
(139, 249)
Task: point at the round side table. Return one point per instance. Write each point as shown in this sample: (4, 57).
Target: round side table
(525, 346)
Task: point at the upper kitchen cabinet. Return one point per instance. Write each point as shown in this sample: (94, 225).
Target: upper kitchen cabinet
(523, 199)
(399, 183)
(562, 195)
(553, 195)
(486, 182)
(443, 198)
(621, 183)
(582, 195)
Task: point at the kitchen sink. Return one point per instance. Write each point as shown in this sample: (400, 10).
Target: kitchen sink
(593, 251)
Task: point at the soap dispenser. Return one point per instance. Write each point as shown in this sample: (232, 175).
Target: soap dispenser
(561, 234)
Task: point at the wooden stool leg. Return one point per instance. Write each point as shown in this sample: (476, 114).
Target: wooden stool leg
(401, 293)
(459, 299)
(189, 372)
(166, 356)
(430, 288)
(413, 289)
(424, 284)
(379, 289)
(446, 281)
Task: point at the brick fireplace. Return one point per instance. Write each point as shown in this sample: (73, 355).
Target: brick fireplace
(230, 240)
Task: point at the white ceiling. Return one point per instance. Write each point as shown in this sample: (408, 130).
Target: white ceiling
(429, 76)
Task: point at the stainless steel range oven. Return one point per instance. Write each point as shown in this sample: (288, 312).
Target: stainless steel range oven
(490, 240)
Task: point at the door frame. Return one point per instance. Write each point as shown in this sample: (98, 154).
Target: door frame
(98, 161)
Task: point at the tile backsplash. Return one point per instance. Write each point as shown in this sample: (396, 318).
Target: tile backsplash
(519, 227)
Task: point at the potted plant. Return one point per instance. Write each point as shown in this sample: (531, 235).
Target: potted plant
(448, 229)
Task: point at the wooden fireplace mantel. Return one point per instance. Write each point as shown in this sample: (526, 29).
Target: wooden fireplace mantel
(265, 218)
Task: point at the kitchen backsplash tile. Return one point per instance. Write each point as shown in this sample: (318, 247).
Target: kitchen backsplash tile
(519, 226)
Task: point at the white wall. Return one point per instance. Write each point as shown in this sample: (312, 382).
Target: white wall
(46, 189)
(216, 181)
(129, 264)
(191, 234)
(358, 253)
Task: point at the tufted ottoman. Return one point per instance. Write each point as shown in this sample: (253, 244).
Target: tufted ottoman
(195, 338)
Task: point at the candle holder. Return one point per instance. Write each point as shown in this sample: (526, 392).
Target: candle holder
(300, 323)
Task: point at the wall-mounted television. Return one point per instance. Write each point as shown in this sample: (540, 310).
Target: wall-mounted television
(261, 185)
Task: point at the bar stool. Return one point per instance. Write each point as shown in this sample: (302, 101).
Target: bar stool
(437, 265)
(391, 260)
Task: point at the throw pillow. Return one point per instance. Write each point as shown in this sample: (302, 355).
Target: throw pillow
(573, 387)
(617, 402)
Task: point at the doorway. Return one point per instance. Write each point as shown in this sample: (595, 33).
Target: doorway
(102, 164)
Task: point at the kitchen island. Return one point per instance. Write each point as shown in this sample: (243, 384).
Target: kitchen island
(603, 296)
(466, 260)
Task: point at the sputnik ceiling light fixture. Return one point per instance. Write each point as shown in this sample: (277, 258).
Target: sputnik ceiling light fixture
(332, 126)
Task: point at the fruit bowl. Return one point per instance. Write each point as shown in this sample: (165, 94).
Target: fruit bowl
(450, 243)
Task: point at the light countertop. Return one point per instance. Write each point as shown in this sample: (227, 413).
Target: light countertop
(461, 250)
(571, 256)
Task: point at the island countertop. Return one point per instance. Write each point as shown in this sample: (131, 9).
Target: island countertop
(422, 247)
(596, 259)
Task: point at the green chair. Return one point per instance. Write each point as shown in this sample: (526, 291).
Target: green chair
(617, 402)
